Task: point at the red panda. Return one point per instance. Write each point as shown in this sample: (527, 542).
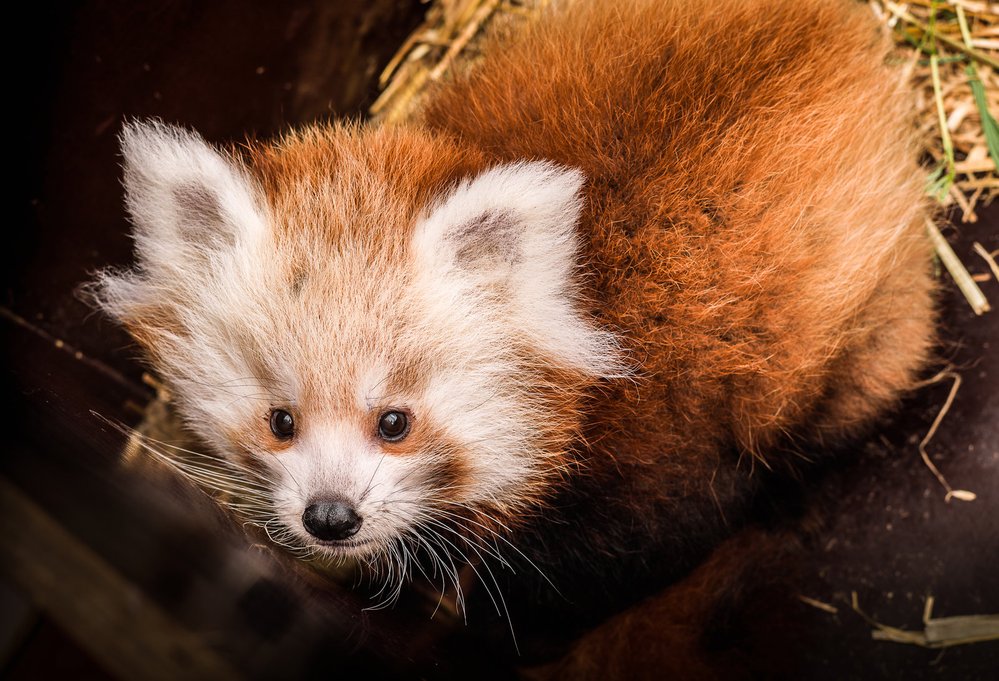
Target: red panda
(562, 313)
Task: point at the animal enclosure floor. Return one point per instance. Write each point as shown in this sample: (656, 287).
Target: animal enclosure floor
(154, 555)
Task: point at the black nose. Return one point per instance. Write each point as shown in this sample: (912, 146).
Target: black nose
(331, 519)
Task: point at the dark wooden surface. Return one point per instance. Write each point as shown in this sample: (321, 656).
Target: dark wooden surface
(229, 69)
(141, 578)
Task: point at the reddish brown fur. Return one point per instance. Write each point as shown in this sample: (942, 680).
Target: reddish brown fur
(752, 229)
(663, 638)
(724, 150)
(753, 225)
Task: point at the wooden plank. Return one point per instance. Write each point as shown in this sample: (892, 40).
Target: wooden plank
(108, 616)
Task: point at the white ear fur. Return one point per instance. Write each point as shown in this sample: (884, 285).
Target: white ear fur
(185, 198)
(512, 229)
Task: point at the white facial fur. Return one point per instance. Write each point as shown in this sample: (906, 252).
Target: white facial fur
(489, 271)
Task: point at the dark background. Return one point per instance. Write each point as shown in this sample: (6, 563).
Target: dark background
(231, 69)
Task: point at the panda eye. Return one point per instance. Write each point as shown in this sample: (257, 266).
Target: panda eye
(393, 426)
(282, 424)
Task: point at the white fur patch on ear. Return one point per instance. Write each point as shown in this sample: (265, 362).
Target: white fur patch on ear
(512, 231)
(490, 223)
(185, 198)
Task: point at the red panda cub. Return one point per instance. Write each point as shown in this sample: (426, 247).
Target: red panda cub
(556, 319)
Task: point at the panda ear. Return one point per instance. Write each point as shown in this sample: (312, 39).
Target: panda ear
(185, 198)
(514, 221)
(511, 231)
